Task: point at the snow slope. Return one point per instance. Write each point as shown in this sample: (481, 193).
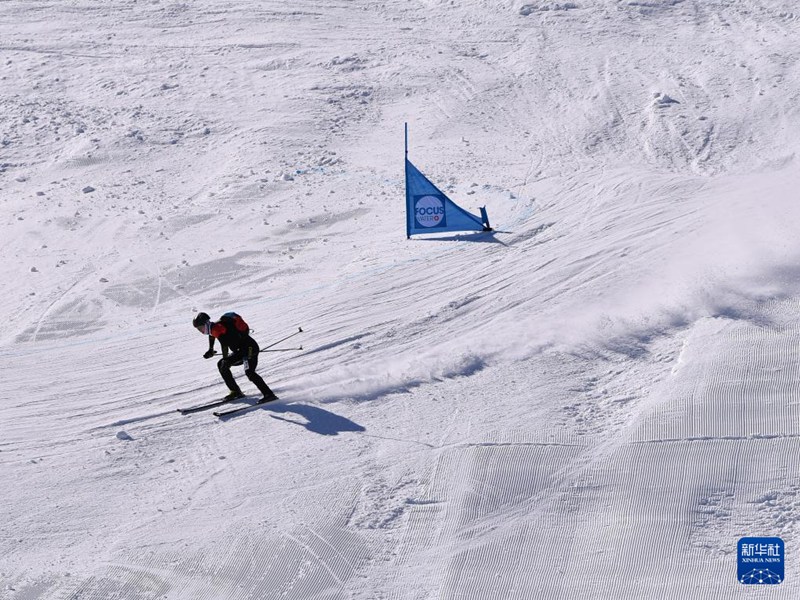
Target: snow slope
(595, 401)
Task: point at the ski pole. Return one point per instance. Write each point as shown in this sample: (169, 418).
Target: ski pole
(281, 349)
(299, 331)
(273, 350)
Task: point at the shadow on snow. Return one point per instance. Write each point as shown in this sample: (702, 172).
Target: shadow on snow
(482, 236)
(313, 418)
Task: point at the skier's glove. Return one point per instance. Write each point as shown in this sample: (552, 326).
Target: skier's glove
(209, 354)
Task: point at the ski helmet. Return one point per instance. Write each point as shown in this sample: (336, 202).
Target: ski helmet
(201, 319)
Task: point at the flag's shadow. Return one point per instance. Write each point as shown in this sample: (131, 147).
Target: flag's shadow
(317, 420)
(485, 237)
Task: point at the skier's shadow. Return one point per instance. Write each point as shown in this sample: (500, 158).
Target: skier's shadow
(317, 419)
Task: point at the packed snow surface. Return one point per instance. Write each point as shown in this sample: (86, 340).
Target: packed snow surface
(596, 400)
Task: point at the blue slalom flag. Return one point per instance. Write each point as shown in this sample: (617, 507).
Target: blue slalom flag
(429, 210)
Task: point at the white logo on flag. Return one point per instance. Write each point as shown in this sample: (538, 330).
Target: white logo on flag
(429, 211)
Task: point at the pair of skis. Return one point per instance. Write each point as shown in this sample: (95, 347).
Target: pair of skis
(224, 413)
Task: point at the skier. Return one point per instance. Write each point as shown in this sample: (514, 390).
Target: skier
(234, 335)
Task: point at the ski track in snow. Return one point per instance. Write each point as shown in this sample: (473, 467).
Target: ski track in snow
(597, 400)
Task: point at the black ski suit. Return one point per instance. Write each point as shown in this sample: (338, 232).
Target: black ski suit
(243, 351)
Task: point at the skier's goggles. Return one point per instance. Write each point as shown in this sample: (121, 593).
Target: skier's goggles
(205, 328)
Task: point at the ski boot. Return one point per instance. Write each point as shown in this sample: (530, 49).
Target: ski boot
(269, 395)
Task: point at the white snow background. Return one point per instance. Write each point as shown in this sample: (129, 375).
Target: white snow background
(596, 401)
